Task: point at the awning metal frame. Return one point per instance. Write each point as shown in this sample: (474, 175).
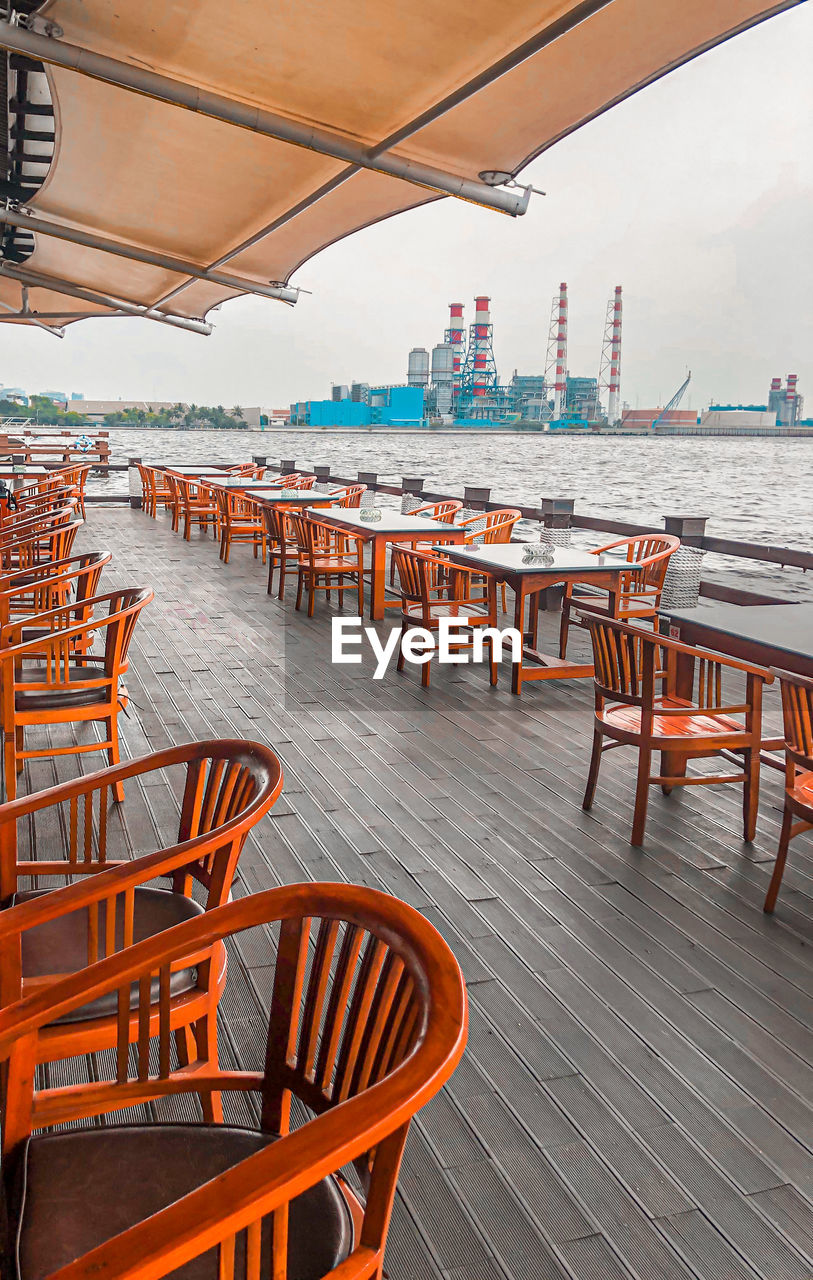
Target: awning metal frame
(35, 280)
(269, 124)
(42, 226)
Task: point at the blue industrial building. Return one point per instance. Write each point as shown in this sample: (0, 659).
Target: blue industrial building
(385, 407)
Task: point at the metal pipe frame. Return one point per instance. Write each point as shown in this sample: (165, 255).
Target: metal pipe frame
(57, 332)
(256, 119)
(42, 226)
(114, 305)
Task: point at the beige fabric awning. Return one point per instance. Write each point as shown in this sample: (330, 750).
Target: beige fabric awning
(396, 86)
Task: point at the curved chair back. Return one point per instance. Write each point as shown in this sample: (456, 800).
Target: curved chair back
(224, 787)
(797, 713)
(45, 586)
(652, 552)
(351, 496)
(491, 526)
(367, 1021)
(444, 511)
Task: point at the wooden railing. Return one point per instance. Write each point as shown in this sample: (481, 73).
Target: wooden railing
(560, 513)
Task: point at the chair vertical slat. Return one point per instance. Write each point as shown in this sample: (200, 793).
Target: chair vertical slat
(342, 983)
(144, 1004)
(164, 1034)
(363, 996)
(254, 1236)
(122, 1033)
(315, 995)
(225, 1259)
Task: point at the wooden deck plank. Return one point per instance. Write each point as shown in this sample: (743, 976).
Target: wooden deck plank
(635, 1099)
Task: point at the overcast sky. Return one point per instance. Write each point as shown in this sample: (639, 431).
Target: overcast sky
(695, 195)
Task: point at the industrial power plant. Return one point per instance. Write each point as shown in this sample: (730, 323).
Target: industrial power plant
(456, 384)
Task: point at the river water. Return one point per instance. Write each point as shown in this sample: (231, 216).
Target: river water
(752, 489)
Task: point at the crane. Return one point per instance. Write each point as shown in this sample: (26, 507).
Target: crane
(674, 402)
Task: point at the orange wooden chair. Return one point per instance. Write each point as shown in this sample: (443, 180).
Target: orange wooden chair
(631, 665)
(48, 586)
(240, 521)
(367, 1021)
(283, 548)
(214, 793)
(197, 504)
(327, 558)
(351, 496)
(76, 478)
(491, 527)
(44, 681)
(303, 482)
(444, 512)
(41, 541)
(639, 594)
(797, 709)
(432, 588)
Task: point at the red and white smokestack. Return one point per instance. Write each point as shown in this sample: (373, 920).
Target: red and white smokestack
(455, 335)
(790, 398)
(560, 381)
(482, 333)
(614, 397)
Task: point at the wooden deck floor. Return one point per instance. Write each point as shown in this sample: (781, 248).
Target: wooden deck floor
(637, 1096)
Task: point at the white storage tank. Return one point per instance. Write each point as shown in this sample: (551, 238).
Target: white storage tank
(418, 367)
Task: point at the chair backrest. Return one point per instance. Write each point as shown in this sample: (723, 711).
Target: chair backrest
(312, 537)
(624, 661)
(797, 712)
(124, 607)
(351, 496)
(45, 586)
(443, 511)
(367, 1021)
(304, 482)
(418, 574)
(492, 526)
(652, 552)
(221, 789)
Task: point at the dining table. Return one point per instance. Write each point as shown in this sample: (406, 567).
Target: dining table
(770, 635)
(506, 562)
(380, 532)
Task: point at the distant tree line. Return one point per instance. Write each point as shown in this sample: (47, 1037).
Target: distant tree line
(180, 415)
(42, 410)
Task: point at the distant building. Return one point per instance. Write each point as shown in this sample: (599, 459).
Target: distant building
(386, 407)
(647, 417)
(97, 410)
(77, 395)
(719, 416)
(15, 394)
(56, 397)
(581, 398)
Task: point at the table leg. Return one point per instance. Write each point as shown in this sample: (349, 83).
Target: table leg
(519, 623)
(378, 566)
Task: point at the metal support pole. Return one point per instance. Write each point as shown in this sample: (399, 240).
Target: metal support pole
(193, 97)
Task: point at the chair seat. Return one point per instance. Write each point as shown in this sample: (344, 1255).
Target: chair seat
(61, 946)
(694, 724)
(71, 1192)
(57, 698)
(464, 613)
(802, 789)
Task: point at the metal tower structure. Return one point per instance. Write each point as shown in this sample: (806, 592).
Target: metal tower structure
(479, 370)
(455, 335)
(556, 363)
(609, 373)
